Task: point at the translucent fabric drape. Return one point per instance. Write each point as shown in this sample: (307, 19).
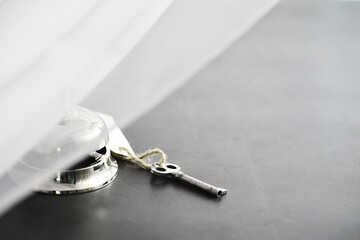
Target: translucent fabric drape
(54, 53)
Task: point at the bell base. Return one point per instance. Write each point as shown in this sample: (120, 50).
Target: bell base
(95, 176)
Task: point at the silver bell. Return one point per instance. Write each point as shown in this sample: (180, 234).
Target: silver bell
(80, 129)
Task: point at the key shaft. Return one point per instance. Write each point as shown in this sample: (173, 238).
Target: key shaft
(200, 184)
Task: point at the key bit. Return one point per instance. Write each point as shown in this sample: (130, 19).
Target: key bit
(174, 171)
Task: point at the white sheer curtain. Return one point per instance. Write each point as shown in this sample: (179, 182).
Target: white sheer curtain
(53, 53)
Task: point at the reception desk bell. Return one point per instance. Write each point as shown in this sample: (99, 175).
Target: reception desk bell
(80, 129)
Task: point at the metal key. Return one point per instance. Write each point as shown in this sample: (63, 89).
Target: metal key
(172, 170)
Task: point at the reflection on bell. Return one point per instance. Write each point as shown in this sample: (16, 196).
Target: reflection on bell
(80, 129)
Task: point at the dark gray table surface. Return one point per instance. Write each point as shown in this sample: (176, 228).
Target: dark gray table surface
(275, 119)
